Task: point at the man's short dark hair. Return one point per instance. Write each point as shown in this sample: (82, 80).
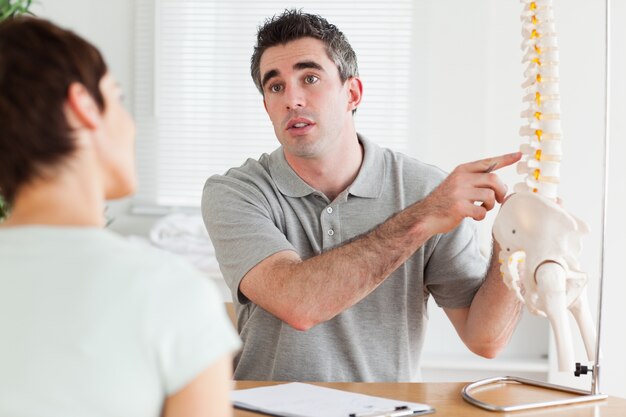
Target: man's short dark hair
(38, 63)
(292, 25)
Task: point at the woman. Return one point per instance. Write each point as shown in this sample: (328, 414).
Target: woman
(91, 325)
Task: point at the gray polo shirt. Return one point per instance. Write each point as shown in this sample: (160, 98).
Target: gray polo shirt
(264, 207)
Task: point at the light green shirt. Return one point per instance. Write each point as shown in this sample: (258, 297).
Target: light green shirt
(92, 325)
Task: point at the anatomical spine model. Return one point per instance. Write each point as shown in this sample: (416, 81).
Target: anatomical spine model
(540, 242)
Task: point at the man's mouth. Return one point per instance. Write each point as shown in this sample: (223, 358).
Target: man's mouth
(299, 123)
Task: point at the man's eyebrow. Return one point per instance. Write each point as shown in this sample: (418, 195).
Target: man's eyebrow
(269, 75)
(297, 66)
(307, 64)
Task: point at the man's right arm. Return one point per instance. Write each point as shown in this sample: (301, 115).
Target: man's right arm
(304, 293)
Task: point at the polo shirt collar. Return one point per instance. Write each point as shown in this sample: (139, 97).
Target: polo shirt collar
(285, 178)
(367, 184)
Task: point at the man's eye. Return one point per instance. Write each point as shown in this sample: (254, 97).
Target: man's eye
(276, 88)
(310, 79)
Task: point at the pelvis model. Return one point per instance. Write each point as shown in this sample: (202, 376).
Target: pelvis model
(539, 240)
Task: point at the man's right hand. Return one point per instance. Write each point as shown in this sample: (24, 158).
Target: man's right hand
(471, 190)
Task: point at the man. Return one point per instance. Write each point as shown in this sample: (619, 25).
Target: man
(331, 245)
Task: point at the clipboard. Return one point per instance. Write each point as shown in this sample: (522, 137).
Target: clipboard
(296, 399)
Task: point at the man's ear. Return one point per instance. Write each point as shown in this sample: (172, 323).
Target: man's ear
(355, 90)
(83, 107)
(264, 104)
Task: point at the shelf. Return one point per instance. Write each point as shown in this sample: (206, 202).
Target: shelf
(480, 364)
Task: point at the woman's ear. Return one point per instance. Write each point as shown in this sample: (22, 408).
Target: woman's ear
(355, 90)
(84, 110)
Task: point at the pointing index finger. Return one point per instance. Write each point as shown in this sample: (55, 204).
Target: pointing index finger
(491, 167)
(493, 164)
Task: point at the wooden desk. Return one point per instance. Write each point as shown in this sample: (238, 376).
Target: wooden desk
(447, 400)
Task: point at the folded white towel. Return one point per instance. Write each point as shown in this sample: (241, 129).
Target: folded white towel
(181, 233)
(186, 235)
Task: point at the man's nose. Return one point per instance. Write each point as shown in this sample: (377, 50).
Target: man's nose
(294, 97)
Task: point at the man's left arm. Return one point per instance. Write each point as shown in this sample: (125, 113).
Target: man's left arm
(488, 323)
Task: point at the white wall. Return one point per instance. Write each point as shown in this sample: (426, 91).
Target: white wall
(467, 101)
(109, 26)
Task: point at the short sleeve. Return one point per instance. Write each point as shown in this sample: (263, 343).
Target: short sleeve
(456, 268)
(190, 325)
(242, 228)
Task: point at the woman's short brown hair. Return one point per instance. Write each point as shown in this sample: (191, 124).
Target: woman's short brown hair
(38, 63)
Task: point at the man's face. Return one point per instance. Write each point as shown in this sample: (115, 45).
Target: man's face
(304, 97)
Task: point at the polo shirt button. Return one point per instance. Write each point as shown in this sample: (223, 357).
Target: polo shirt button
(329, 210)
(331, 232)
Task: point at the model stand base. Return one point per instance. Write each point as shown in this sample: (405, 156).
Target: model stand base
(581, 395)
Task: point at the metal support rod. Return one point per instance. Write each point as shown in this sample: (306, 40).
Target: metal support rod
(595, 386)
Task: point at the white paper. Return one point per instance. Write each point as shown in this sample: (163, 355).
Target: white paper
(296, 399)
